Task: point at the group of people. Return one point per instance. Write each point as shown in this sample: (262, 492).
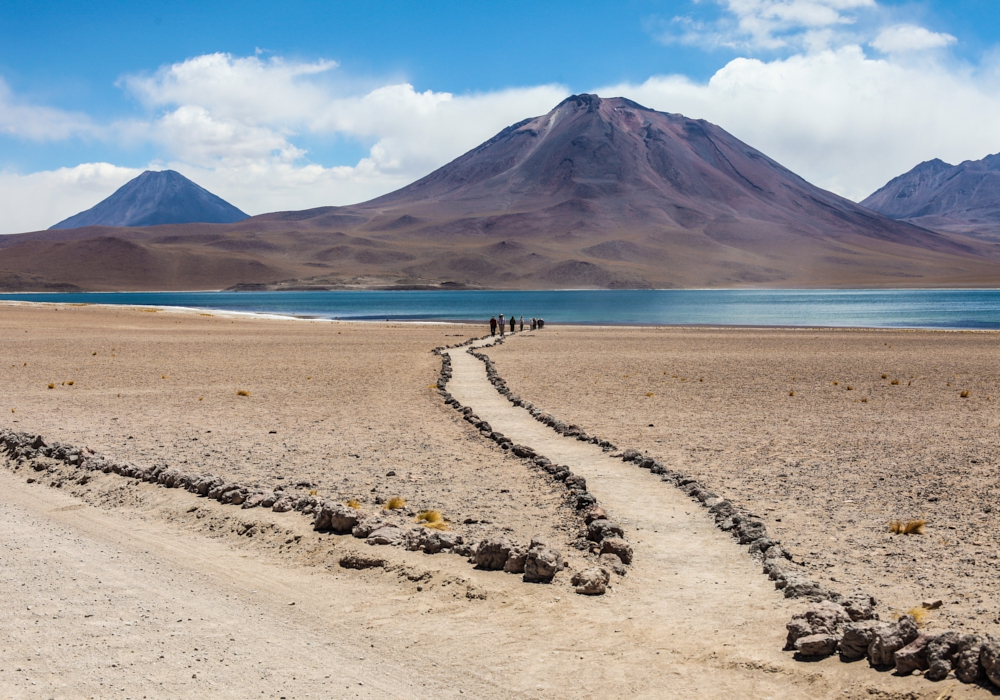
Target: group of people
(501, 325)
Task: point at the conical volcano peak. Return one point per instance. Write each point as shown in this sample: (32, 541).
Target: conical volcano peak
(154, 198)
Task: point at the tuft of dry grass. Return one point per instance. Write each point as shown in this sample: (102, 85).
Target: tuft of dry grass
(864, 400)
(834, 383)
(885, 376)
(243, 392)
(910, 527)
(791, 393)
(52, 386)
(201, 398)
(395, 503)
(70, 382)
(849, 388)
(353, 503)
(313, 492)
(894, 382)
(965, 394)
(432, 519)
(94, 353)
(919, 615)
(649, 393)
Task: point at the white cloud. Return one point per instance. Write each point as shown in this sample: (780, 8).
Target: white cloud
(38, 200)
(844, 121)
(909, 37)
(769, 24)
(24, 120)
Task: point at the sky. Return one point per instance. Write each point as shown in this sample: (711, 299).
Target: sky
(281, 106)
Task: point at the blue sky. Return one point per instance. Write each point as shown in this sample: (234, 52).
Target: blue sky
(285, 106)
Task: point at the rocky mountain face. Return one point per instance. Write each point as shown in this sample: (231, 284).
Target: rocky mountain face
(597, 193)
(156, 198)
(937, 195)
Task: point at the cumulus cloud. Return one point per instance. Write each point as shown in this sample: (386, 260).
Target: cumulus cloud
(909, 37)
(842, 120)
(768, 24)
(37, 200)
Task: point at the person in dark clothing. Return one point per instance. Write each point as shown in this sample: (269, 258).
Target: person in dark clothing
(541, 323)
(493, 326)
(512, 323)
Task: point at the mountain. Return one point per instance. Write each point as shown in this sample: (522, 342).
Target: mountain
(964, 197)
(155, 198)
(597, 193)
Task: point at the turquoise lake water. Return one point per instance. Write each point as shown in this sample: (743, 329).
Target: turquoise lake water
(924, 308)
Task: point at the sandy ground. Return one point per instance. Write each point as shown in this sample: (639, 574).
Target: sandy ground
(827, 468)
(116, 588)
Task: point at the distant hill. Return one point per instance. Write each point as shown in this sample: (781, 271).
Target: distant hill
(964, 197)
(156, 198)
(597, 193)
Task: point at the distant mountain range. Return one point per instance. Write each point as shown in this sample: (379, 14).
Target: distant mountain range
(157, 198)
(598, 193)
(964, 197)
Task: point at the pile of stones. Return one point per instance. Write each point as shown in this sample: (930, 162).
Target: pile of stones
(829, 628)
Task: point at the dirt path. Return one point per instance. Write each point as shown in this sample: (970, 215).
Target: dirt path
(692, 593)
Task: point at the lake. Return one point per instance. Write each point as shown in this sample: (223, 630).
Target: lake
(899, 308)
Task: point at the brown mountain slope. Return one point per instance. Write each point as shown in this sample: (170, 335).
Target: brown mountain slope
(596, 193)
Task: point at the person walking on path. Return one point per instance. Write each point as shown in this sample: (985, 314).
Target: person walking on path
(493, 325)
(512, 322)
(502, 325)
(520, 325)
(534, 323)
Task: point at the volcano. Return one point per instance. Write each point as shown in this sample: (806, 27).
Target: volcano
(155, 198)
(937, 195)
(598, 193)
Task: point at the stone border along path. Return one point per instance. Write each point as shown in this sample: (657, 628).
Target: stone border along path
(832, 624)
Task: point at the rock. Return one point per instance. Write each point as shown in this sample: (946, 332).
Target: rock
(798, 587)
(618, 547)
(601, 529)
(760, 547)
(253, 500)
(268, 500)
(542, 563)
(594, 513)
(415, 538)
(776, 552)
(631, 455)
(967, 666)
(336, 517)
(366, 526)
(941, 653)
(933, 604)
(585, 500)
(217, 489)
(890, 638)
(515, 561)
(592, 581)
(612, 563)
(989, 659)
(356, 560)
(576, 482)
(435, 541)
(386, 535)
(857, 638)
(492, 553)
(913, 656)
(823, 618)
(816, 645)
(860, 606)
(283, 504)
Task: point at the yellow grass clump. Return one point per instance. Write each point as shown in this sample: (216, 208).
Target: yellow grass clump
(919, 615)
(864, 400)
(910, 527)
(354, 503)
(243, 392)
(94, 353)
(965, 394)
(894, 382)
(791, 393)
(649, 393)
(849, 388)
(834, 383)
(71, 383)
(395, 503)
(313, 492)
(52, 386)
(885, 376)
(432, 519)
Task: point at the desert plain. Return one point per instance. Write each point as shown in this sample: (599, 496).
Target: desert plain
(114, 587)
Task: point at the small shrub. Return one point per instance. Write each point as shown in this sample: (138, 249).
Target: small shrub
(965, 394)
(52, 386)
(949, 384)
(909, 383)
(201, 398)
(864, 400)
(395, 503)
(94, 353)
(71, 382)
(313, 492)
(791, 393)
(919, 615)
(649, 393)
(354, 503)
(701, 379)
(163, 376)
(243, 392)
(684, 379)
(910, 527)
(834, 383)
(894, 382)
(849, 388)
(885, 376)
(432, 519)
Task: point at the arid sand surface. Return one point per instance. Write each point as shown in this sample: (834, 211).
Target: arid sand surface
(119, 588)
(877, 430)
